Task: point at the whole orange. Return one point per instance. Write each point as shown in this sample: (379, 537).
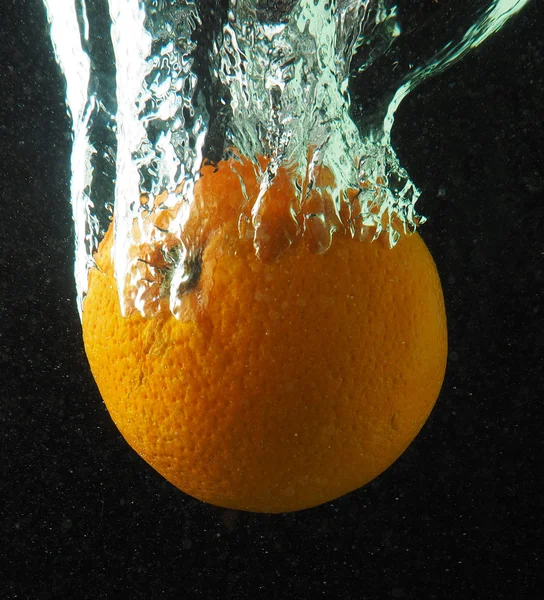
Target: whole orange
(296, 380)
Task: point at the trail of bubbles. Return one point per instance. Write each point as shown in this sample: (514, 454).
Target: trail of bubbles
(146, 81)
(76, 66)
(490, 22)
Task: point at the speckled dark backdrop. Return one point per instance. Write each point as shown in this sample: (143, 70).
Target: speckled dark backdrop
(459, 516)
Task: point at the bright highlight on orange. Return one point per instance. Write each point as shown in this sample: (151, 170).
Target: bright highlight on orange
(289, 378)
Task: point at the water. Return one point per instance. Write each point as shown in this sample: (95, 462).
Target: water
(157, 88)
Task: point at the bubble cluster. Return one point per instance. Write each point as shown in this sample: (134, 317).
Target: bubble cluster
(271, 82)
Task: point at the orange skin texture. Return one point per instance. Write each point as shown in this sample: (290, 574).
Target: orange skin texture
(291, 381)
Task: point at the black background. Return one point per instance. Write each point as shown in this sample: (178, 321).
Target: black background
(458, 516)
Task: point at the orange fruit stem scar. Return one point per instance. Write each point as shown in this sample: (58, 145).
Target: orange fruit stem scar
(292, 378)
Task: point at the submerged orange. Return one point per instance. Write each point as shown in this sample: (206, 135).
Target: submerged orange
(296, 380)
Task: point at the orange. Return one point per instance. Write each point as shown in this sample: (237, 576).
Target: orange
(288, 381)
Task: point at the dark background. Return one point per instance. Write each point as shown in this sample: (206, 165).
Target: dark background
(459, 516)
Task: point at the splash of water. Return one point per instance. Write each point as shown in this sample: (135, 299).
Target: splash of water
(154, 87)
